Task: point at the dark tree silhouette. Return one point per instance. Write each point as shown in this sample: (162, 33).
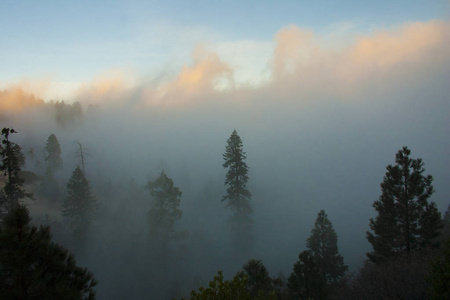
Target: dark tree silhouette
(406, 220)
(238, 196)
(12, 161)
(53, 155)
(305, 281)
(80, 205)
(323, 246)
(165, 208)
(33, 267)
(258, 280)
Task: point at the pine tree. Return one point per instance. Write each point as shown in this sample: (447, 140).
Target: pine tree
(80, 205)
(238, 196)
(305, 281)
(12, 161)
(258, 280)
(53, 155)
(406, 220)
(33, 267)
(165, 208)
(323, 246)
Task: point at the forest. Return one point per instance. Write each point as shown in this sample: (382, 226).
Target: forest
(103, 210)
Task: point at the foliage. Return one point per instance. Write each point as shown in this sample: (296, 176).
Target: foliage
(397, 278)
(258, 280)
(12, 161)
(439, 276)
(234, 289)
(238, 196)
(80, 204)
(53, 155)
(33, 267)
(67, 113)
(305, 280)
(406, 221)
(446, 224)
(165, 208)
(323, 246)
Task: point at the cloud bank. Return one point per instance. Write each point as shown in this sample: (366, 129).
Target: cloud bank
(302, 68)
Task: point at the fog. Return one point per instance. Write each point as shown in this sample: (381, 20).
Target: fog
(314, 140)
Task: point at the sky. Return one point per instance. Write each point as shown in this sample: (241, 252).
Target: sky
(52, 48)
(322, 94)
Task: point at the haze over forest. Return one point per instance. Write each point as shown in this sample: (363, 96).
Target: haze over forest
(321, 112)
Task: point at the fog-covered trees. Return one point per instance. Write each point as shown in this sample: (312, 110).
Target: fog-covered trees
(238, 196)
(323, 246)
(53, 155)
(258, 280)
(305, 281)
(12, 161)
(33, 267)
(165, 209)
(80, 204)
(406, 220)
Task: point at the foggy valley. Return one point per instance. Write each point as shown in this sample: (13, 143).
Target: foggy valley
(201, 150)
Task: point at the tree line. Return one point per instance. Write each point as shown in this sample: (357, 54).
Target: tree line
(408, 229)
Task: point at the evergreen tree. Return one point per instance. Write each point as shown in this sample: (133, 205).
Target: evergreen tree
(238, 196)
(165, 208)
(12, 161)
(33, 267)
(305, 280)
(53, 155)
(258, 280)
(80, 205)
(406, 220)
(323, 246)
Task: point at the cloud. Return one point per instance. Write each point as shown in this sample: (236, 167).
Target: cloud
(112, 88)
(302, 67)
(194, 83)
(410, 42)
(13, 100)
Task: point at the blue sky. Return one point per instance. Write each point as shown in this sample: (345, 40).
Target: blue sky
(74, 41)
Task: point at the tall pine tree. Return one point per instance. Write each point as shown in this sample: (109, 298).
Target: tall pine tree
(165, 210)
(323, 246)
(238, 196)
(53, 155)
(80, 205)
(406, 220)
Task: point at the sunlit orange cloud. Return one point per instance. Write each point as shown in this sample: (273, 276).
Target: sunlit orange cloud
(301, 65)
(13, 100)
(409, 42)
(110, 88)
(194, 83)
